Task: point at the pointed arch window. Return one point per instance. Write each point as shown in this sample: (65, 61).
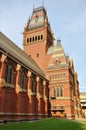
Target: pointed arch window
(22, 79)
(33, 83)
(8, 76)
(41, 87)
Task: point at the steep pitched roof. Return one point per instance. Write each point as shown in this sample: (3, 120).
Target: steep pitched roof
(58, 58)
(11, 49)
(37, 18)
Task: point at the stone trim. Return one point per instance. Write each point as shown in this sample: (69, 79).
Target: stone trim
(37, 78)
(5, 85)
(18, 67)
(29, 74)
(19, 89)
(44, 82)
(22, 114)
(3, 57)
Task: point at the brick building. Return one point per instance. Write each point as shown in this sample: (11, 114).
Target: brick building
(38, 43)
(24, 89)
(23, 86)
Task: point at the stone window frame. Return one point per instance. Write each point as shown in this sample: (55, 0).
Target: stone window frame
(23, 78)
(59, 91)
(41, 87)
(33, 83)
(9, 71)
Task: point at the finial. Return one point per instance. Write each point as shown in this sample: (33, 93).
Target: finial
(43, 3)
(33, 6)
(58, 39)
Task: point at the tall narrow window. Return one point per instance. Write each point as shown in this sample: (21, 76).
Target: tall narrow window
(59, 91)
(27, 40)
(22, 79)
(30, 39)
(35, 38)
(54, 92)
(41, 37)
(40, 87)
(33, 84)
(38, 37)
(8, 73)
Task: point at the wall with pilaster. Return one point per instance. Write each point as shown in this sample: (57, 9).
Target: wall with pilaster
(17, 103)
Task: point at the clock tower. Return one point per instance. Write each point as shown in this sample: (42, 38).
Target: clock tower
(37, 36)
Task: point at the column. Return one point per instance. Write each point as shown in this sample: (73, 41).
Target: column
(18, 89)
(2, 91)
(29, 92)
(46, 98)
(17, 78)
(2, 69)
(28, 83)
(38, 96)
(44, 104)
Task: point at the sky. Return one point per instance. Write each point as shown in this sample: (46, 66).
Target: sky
(68, 22)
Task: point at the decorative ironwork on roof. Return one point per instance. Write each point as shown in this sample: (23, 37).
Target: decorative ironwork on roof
(38, 9)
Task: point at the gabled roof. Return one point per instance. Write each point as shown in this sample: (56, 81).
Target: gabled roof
(58, 58)
(14, 51)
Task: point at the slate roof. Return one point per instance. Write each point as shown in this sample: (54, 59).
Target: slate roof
(57, 53)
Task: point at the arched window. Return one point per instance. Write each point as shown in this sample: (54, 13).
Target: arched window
(38, 37)
(8, 76)
(41, 37)
(30, 39)
(33, 83)
(37, 54)
(35, 38)
(27, 40)
(41, 87)
(22, 79)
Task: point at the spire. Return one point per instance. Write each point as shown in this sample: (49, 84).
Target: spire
(43, 3)
(33, 6)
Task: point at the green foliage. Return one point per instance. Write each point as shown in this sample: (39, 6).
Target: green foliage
(45, 124)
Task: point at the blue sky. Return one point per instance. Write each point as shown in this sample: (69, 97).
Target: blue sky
(68, 22)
